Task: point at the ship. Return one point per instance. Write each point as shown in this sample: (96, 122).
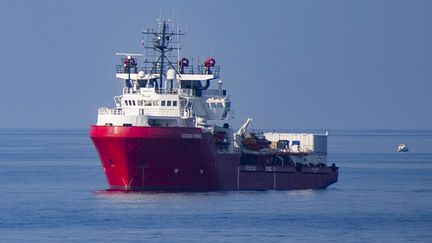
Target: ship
(402, 148)
(170, 131)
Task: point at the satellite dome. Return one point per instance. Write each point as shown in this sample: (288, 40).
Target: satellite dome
(141, 74)
(171, 73)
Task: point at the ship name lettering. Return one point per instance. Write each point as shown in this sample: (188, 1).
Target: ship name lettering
(191, 136)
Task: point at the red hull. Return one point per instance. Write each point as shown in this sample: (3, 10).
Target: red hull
(185, 159)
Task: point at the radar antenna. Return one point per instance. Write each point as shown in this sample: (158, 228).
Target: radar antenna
(160, 43)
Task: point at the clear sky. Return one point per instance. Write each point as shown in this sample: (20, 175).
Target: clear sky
(287, 64)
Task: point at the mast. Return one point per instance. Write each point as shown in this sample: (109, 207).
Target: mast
(162, 50)
(160, 43)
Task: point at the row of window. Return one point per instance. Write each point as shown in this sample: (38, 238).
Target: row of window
(150, 103)
(214, 105)
(168, 103)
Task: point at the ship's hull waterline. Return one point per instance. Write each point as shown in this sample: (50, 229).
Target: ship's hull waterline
(186, 159)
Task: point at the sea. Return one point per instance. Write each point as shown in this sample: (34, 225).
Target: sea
(53, 189)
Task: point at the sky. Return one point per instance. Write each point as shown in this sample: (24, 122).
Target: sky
(287, 64)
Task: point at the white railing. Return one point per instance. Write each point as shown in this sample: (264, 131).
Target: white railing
(141, 112)
(166, 91)
(162, 112)
(183, 92)
(108, 111)
(127, 90)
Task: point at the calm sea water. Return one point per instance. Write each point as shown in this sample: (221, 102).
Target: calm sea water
(51, 190)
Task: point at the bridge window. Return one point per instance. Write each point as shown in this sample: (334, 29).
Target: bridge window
(169, 103)
(133, 102)
(125, 102)
(163, 103)
(147, 102)
(130, 102)
(155, 103)
(140, 102)
(213, 105)
(175, 103)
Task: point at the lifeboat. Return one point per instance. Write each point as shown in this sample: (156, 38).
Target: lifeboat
(255, 143)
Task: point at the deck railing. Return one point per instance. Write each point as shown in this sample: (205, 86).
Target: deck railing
(186, 70)
(123, 69)
(183, 92)
(201, 70)
(166, 91)
(108, 111)
(127, 90)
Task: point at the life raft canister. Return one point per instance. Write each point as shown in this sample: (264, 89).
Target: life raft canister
(130, 62)
(210, 62)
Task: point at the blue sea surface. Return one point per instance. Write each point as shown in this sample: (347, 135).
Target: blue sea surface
(52, 190)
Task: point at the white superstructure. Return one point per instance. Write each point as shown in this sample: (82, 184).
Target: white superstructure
(166, 94)
(161, 93)
(314, 145)
(144, 104)
(299, 142)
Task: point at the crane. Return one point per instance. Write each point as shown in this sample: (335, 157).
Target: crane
(239, 135)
